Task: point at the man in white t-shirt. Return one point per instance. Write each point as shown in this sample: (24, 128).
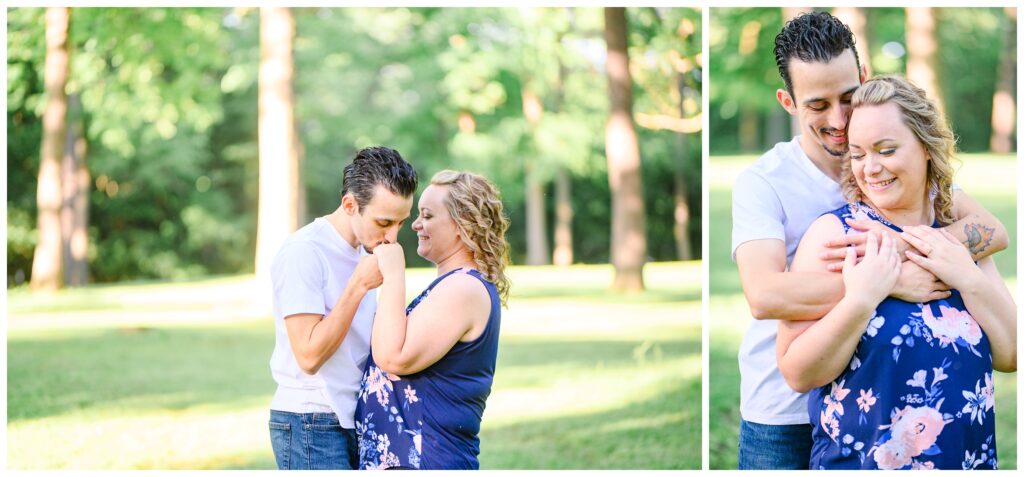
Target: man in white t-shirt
(776, 199)
(324, 301)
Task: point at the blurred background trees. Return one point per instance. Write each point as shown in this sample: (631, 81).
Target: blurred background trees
(164, 148)
(966, 57)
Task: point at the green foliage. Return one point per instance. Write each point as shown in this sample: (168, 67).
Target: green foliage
(745, 76)
(170, 102)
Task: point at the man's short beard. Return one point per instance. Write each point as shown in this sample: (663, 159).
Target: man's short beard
(835, 153)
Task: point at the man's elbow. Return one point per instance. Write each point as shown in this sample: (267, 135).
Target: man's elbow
(764, 306)
(308, 363)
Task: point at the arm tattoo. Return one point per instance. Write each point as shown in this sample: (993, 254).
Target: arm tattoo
(978, 238)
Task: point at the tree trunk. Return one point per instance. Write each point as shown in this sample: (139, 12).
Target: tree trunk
(76, 183)
(1003, 101)
(921, 51)
(563, 218)
(563, 254)
(682, 207)
(47, 262)
(749, 119)
(280, 186)
(789, 13)
(629, 242)
(536, 223)
(854, 17)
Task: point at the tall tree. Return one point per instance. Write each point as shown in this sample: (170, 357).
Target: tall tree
(47, 263)
(536, 220)
(562, 254)
(629, 241)
(922, 49)
(855, 18)
(279, 194)
(77, 184)
(1004, 99)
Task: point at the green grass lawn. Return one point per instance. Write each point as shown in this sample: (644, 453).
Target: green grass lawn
(176, 376)
(989, 178)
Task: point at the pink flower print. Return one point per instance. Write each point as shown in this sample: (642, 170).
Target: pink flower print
(944, 327)
(988, 392)
(833, 402)
(830, 425)
(967, 328)
(923, 465)
(892, 455)
(866, 400)
(914, 431)
(919, 427)
(378, 383)
(410, 395)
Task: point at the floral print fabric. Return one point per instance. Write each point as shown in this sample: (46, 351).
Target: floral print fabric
(917, 393)
(429, 419)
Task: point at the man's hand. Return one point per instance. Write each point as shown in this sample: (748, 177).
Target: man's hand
(367, 273)
(837, 246)
(391, 259)
(917, 285)
(937, 251)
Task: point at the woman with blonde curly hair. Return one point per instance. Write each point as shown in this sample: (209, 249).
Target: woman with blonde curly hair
(893, 384)
(431, 365)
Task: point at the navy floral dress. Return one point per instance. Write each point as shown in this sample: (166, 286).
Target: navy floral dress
(917, 393)
(430, 419)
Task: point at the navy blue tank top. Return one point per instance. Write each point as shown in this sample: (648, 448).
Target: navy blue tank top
(430, 419)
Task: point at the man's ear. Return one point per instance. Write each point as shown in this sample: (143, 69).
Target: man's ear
(348, 202)
(786, 101)
(863, 73)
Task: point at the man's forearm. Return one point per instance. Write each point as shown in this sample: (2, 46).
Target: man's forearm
(794, 296)
(327, 335)
(975, 227)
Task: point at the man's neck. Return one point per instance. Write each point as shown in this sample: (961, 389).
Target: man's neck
(825, 162)
(343, 225)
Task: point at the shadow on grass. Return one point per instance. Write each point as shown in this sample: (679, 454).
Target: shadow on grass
(138, 369)
(659, 433)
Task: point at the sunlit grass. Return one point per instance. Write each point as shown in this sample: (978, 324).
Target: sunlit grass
(989, 178)
(179, 379)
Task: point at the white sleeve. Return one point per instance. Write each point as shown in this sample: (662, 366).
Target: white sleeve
(298, 275)
(756, 211)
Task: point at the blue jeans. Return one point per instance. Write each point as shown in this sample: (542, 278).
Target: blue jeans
(314, 441)
(771, 447)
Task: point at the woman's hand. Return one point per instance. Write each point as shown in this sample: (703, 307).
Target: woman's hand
(871, 280)
(940, 253)
(390, 259)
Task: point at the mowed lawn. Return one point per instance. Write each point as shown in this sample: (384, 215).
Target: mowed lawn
(175, 376)
(989, 178)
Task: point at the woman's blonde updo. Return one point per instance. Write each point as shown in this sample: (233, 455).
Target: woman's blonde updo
(475, 206)
(927, 123)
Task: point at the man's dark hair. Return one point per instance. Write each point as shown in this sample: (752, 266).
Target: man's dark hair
(378, 166)
(813, 36)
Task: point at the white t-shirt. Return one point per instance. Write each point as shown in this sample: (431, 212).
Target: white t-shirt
(778, 197)
(309, 273)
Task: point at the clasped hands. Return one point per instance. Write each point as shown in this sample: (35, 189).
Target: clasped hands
(387, 260)
(933, 260)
